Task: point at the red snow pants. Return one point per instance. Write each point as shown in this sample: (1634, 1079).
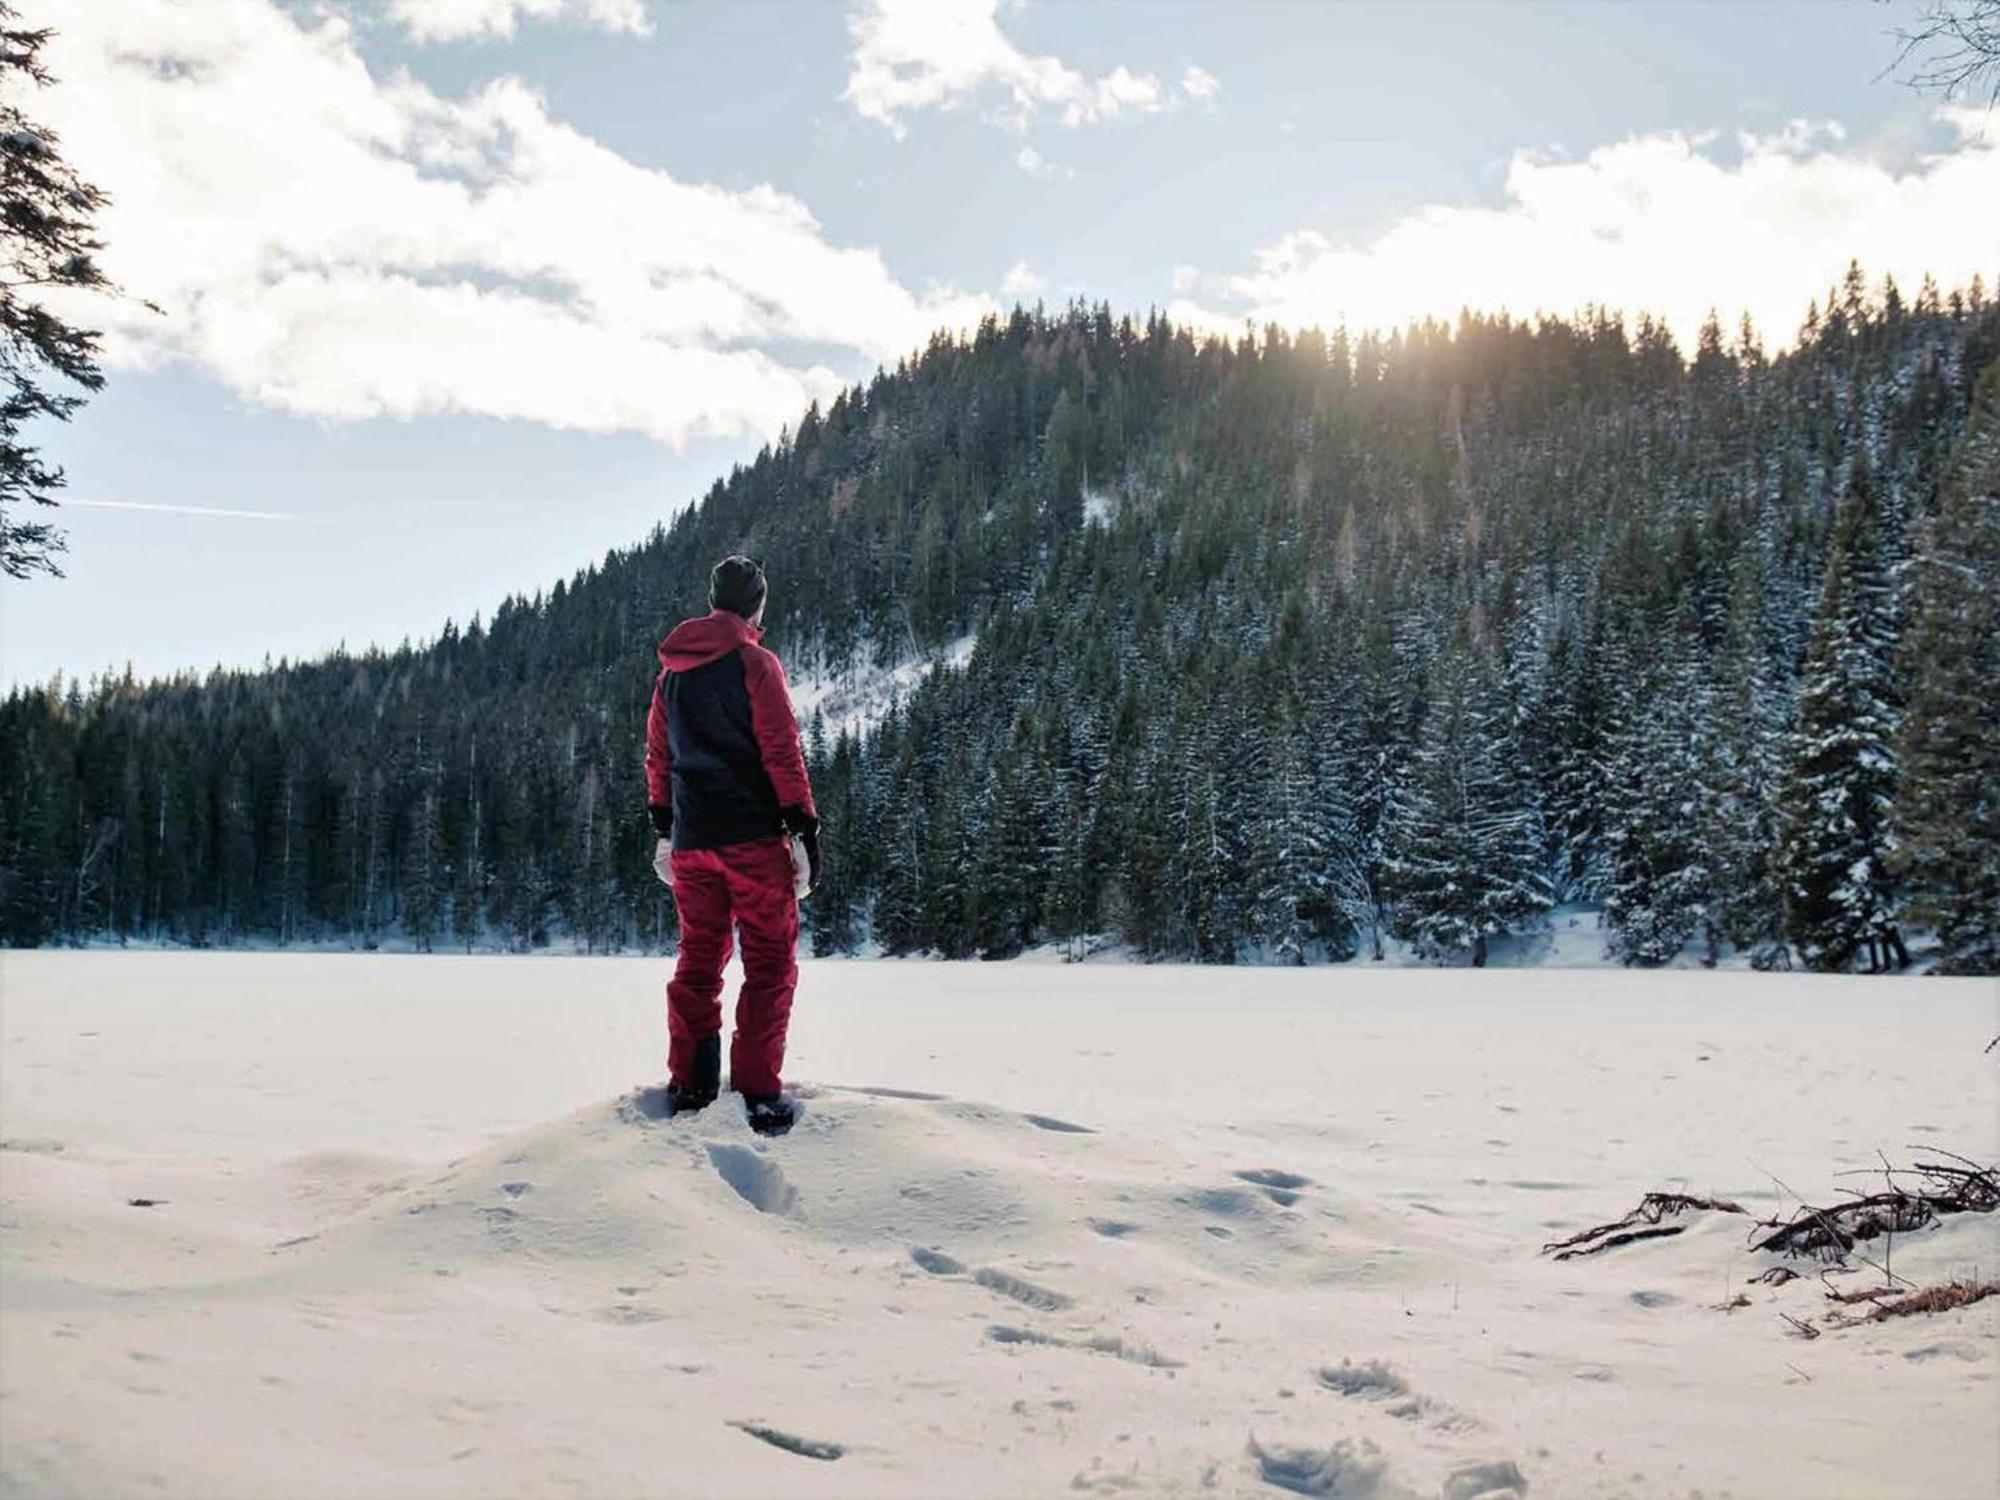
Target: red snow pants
(747, 887)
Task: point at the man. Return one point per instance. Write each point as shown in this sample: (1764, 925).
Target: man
(726, 787)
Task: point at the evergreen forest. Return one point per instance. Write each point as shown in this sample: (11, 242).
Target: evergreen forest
(1286, 647)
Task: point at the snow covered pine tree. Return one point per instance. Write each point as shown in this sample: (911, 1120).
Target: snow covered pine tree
(1834, 804)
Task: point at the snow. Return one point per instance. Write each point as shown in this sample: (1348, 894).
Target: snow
(859, 699)
(417, 1230)
(1571, 936)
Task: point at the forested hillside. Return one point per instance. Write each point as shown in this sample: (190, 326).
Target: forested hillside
(1282, 644)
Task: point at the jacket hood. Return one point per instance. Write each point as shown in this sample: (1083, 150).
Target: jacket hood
(696, 643)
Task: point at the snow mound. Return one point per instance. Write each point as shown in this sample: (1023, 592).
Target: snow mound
(857, 1281)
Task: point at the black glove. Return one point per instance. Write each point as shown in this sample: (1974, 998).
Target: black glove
(663, 819)
(804, 827)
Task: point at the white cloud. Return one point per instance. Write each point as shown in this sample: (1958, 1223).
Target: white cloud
(337, 245)
(1038, 166)
(930, 54)
(1117, 91)
(1657, 223)
(1200, 84)
(478, 20)
(1021, 281)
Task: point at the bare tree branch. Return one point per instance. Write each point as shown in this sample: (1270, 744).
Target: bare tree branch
(1954, 48)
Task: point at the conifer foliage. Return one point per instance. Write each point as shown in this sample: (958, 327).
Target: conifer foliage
(1283, 648)
(1948, 805)
(1470, 850)
(46, 240)
(1835, 801)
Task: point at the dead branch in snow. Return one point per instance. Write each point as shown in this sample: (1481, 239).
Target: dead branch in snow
(1831, 1234)
(1643, 1223)
(1936, 1299)
(1866, 1294)
(1804, 1330)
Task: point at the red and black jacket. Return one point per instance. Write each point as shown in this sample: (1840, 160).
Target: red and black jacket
(722, 746)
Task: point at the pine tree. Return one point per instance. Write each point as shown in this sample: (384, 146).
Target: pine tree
(1947, 815)
(1576, 721)
(1468, 864)
(470, 875)
(46, 240)
(1835, 800)
(831, 913)
(1657, 876)
(1289, 860)
(956, 826)
(1007, 869)
(423, 882)
(1744, 735)
(236, 833)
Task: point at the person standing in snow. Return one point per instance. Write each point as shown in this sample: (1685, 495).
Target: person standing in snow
(738, 844)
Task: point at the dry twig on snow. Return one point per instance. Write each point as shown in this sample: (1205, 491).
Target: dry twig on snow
(1830, 1234)
(1936, 1299)
(1643, 1223)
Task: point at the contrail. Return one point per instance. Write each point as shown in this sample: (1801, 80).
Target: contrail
(182, 510)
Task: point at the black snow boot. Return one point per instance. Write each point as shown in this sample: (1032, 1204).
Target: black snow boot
(770, 1114)
(696, 1093)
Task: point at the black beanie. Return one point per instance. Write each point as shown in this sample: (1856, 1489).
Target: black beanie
(737, 585)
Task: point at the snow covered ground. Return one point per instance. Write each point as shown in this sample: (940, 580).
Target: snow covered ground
(859, 699)
(415, 1229)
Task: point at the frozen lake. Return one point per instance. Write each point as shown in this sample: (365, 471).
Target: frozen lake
(1012, 1186)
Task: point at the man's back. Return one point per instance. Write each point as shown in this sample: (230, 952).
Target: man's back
(739, 844)
(722, 747)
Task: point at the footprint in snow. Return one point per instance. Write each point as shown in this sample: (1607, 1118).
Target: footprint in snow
(1101, 1343)
(1351, 1470)
(758, 1180)
(1223, 1202)
(1004, 1282)
(1346, 1471)
(791, 1442)
(936, 1261)
(1375, 1381)
(1272, 1177)
(1500, 1480)
(1282, 1188)
(1372, 1381)
(628, 1315)
(1026, 1292)
(647, 1102)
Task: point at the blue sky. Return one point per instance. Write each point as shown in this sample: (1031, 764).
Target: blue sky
(460, 293)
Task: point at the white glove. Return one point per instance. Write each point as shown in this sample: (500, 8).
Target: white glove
(801, 869)
(663, 862)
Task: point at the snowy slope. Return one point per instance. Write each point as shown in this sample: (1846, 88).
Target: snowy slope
(858, 699)
(1041, 1230)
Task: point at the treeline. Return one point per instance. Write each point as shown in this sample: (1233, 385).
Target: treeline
(1284, 644)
